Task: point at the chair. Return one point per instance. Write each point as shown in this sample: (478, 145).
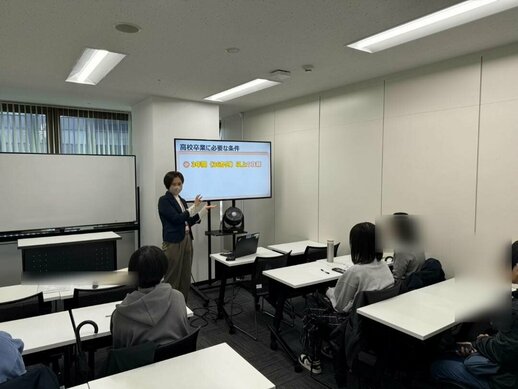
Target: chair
(182, 346)
(127, 358)
(379, 342)
(88, 297)
(24, 307)
(259, 286)
(312, 253)
(40, 377)
(368, 338)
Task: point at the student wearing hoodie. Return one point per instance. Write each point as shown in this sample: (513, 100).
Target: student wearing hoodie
(155, 312)
(11, 361)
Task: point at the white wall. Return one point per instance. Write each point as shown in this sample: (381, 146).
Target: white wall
(156, 122)
(438, 141)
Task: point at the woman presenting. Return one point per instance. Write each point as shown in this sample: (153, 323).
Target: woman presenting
(177, 220)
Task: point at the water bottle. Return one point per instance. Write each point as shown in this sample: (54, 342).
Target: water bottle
(330, 250)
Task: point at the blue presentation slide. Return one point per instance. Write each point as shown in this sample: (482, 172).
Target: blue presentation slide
(224, 170)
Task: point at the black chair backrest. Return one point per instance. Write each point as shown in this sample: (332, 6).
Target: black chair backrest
(261, 283)
(313, 253)
(88, 297)
(25, 307)
(177, 347)
(375, 296)
(377, 336)
(127, 358)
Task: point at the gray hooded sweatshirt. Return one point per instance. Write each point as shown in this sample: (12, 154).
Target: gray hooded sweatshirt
(155, 314)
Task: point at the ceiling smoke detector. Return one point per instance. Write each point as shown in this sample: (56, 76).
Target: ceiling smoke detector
(127, 28)
(279, 75)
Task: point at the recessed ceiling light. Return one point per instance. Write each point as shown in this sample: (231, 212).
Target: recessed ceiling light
(453, 16)
(127, 28)
(243, 89)
(93, 66)
(233, 50)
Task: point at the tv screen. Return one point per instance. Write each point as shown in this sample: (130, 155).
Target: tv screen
(224, 170)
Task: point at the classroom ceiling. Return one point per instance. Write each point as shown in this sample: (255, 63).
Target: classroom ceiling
(180, 51)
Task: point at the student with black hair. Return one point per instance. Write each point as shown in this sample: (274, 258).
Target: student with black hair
(367, 274)
(177, 219)
(408, 256)
(155, 312)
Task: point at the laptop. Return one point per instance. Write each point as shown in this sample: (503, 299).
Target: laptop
(245, 245)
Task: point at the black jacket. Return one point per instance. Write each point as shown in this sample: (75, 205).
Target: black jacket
(173, 219)
(431, 273)
(503, 349)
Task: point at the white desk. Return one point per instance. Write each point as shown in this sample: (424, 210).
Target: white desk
(67, 239)
(16, 292)
(50, 292)
(425, 312)
(298, 280)
(42, 332)
(101, 315)
(217, 367)
(296, 248)
(248, 259)
(311, 273)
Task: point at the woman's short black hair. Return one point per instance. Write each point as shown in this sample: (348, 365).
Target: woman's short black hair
(362, 240)
(170, 176)
(514, 255)
(150, 264)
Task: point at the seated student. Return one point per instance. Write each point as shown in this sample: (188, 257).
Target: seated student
(11, 361)
(155, 312)
(368, 273)
(408, 256)
(489, 362)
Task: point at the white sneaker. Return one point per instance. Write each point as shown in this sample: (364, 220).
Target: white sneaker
(313, 366)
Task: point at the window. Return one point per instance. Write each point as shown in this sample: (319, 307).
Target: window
(39, 129)
(22, 129)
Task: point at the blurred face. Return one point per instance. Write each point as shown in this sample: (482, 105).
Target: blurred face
(176, 186)
(515, 275)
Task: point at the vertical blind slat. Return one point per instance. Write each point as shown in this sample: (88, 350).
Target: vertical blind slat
(32, 128)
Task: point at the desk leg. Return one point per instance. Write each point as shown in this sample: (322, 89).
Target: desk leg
(275, 333)
(222, 313)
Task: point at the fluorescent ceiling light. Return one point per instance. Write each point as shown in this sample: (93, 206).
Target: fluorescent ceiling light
(243, 89)
(456, 15)
(93, 66)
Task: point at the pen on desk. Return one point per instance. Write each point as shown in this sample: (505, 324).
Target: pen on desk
(325, 271)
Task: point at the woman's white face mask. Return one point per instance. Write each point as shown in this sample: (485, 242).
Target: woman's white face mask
(176, 186)
(175, 190)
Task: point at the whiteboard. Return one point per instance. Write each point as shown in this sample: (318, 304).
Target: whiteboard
(40, 191)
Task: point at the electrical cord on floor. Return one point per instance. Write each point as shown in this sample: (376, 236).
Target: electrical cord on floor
(203, 315)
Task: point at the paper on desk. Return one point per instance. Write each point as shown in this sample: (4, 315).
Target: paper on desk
(54, 288)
